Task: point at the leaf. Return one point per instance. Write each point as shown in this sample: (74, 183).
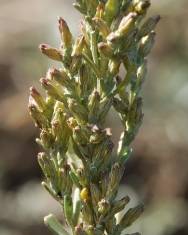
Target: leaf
(52, 222)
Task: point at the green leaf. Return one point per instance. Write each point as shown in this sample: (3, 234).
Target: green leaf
(52, 222)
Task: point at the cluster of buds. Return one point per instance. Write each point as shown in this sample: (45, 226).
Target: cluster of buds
(80, 169)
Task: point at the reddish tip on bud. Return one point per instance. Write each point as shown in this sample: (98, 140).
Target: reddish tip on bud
(33, 91)
(62, 22)
(37, 98)
(51, 52)
(66, 35)
(43, 47)
(105, 49)
(44, 81)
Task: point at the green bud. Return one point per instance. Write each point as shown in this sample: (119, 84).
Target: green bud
(149, 25)
(141, 74)
(75, 65)
(55, 225)
(95, 195)
(141, 6)
(100, 10)
(102, 153)
(78, 47)
(38, 117)
(62, 78)
(52, 89)
(146, 44)
(127, 24)
(51, 52)
(120, 106)
(66, 35)
(40, 102)
(93, 105)
(105, 49)
(114, 180)
(78, 110)
(130, 217)
(119, 205)
(111, 10)
(105, 106)
(103, 28)
(114, 67)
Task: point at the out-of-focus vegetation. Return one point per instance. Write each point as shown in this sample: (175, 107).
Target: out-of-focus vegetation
(157, 173)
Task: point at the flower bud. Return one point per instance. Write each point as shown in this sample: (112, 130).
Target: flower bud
(119, 106)
(146, 44)
(103, 28)
(119, 205)
(78, 110)
(95, 194)
(149, 25)
(105, 49)
(51, 52)
(130, 217)
(37, 98)
(114, 67)
(61, 77)
(78, 47)
(142, 6)
(93, 106)
(66, 35)
(38, 117)
(100, 10)
(127, 24)
(111, 10)
(52, 89)
(114, 179)
(105, 106)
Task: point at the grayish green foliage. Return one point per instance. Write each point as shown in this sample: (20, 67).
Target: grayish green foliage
(77, 145)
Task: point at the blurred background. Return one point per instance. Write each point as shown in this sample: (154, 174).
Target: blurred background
(157, 173)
